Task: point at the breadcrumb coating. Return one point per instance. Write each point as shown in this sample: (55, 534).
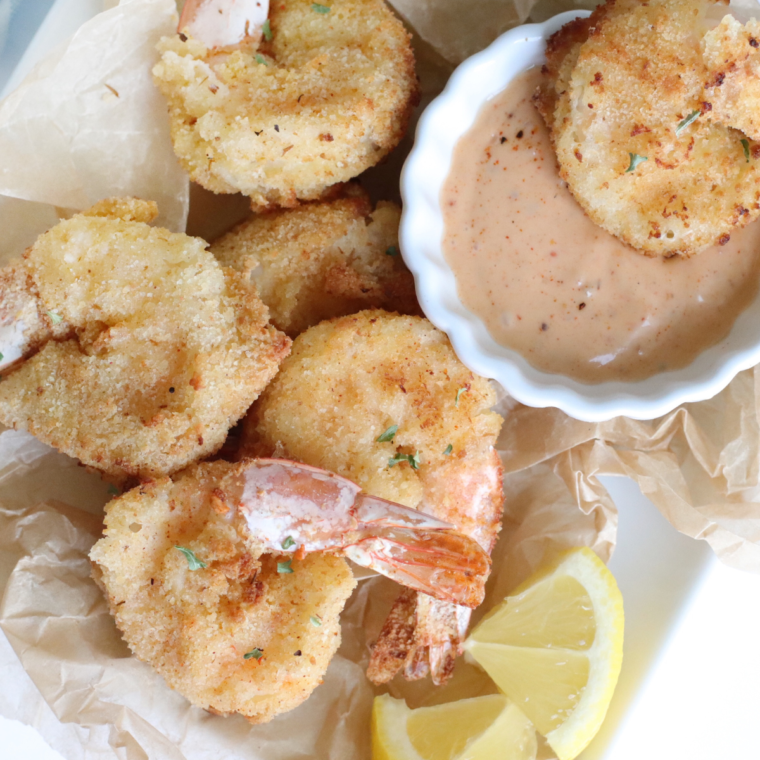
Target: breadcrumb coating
(329, 96)
(732, 55)
(322, 260)
(152, 350)
(196, 626)
(348, 380)
(629, 126)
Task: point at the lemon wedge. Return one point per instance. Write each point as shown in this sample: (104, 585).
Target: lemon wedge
(555, 647)
(482, 728)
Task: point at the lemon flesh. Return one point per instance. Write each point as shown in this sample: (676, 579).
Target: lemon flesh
(482, 728)
(555, 647)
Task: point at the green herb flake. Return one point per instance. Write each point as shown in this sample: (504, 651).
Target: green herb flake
(285, 567)
(318, 8)
(391, 250)
(448, 450)
(460, 391)
(192, 560)
(636, 159)
(288, 542)
(113, 490)
(388, 434)
(260, 59)
(1, 357)
(690, 119)
(745, 145)
(55, 318)
(413, 460)
(255, 653)
(267, 30)
(316, 621)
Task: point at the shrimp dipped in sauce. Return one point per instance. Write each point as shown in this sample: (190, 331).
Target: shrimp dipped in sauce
(383, 400)
(228, 578)
(281, 102)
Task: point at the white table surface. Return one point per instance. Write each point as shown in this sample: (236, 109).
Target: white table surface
(690, 683)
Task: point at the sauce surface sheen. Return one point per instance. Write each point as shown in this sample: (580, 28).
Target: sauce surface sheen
(550, 284)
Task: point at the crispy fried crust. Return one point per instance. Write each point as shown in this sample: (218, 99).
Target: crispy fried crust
(638, 74)
(195, 626)
(348, 380)
(159, 349)
(322, 260)
(732, 55)
(328, 97)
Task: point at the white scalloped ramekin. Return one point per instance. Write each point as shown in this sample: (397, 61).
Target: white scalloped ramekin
(445, 120)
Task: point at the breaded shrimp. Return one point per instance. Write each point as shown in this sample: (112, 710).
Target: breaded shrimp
(325, 95)
(322, 260)
(627, 112)
(383, 400)
(139, 351)
(189, 569)
(732, 55)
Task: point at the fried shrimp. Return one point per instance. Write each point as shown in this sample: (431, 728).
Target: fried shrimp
(627, 108)
(322, 260)
(383, 400)
(732, 55)
(190, 571)
(326, 94)
(138, 350)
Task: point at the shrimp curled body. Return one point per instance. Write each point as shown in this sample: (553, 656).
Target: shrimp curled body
(324, 95)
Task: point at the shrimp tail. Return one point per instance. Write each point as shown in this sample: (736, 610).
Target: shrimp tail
(447, 565)
(423, 636)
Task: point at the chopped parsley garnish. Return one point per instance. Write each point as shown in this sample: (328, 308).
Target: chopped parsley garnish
(255, 653)
(636, 159)
(1, 357)
(260, 59)
(55, 318)
(388, 434)
(288, 542)
(460, 391)
(412, 459)
(113, 490)
(692, 117)
(316, 621)
(391, 250)
(745, 145)
(319, 8)
(284, 567)
(448, 450)
(192, 560)
(267, 30)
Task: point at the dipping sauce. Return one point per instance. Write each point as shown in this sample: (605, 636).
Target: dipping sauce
(550, 284)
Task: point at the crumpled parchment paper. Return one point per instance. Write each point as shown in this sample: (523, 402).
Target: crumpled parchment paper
(63, 666)
(89, 124)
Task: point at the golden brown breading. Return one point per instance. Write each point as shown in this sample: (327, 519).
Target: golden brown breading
(322, 260)
(732, 55)
(349, 379)
(158, 349)
(329, 96)
(639, 74)
(196, 626)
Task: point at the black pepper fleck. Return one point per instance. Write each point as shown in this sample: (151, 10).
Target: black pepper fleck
(503, 140)
(544, 327)
(183, 37)
(171, 390)
(581, 306)
(519, 134)
(276, 128)
(754, 42)
(297, 653)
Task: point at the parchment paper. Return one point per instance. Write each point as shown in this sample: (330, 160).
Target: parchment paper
(63, 667)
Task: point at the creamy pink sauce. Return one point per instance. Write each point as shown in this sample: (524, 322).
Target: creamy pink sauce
(550, 284)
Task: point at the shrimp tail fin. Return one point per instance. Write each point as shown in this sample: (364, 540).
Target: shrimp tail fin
(422, 636)
(442, 563)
